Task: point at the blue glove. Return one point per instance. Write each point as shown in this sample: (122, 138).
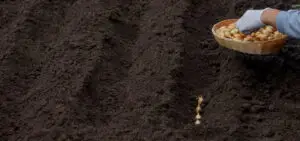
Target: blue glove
(250, 21)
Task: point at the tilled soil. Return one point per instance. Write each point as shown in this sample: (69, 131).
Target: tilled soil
(131, 70)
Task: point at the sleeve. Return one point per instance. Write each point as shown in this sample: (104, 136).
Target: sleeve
(288, 22)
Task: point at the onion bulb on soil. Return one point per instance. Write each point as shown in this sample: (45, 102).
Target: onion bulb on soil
(198, 117)
(198, 108)
(197, 122)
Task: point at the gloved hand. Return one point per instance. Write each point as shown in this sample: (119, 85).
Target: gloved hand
(250, 21)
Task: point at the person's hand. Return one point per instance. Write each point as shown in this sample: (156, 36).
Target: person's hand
(250, 21)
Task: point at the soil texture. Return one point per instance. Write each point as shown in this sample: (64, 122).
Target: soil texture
(131, 70)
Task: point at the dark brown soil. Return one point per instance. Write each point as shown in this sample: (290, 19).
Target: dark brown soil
(130, 70)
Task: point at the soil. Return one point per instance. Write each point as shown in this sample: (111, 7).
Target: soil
(131, 70)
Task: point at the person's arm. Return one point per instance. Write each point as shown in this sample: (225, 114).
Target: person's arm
(268, 16)
(287, 22)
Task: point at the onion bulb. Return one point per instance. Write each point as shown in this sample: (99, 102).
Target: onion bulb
(227, 34)
(234, 31)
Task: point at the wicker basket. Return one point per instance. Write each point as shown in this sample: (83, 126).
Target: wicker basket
(262, 47)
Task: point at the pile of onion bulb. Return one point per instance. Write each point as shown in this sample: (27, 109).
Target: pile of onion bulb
(263, 34)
